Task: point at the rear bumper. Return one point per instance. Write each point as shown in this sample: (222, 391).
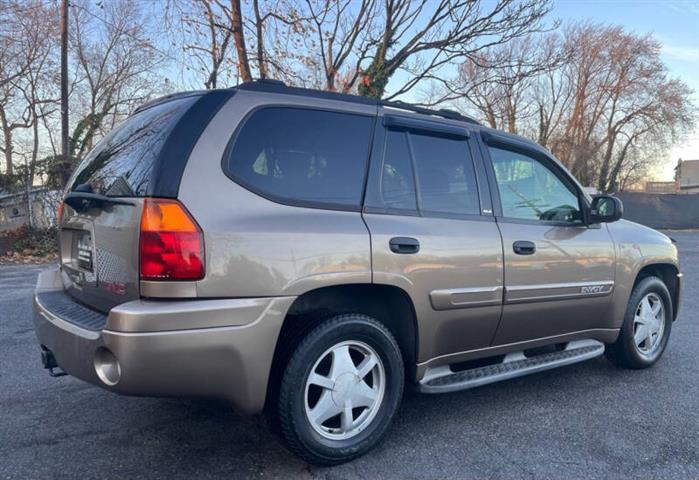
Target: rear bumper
(206, 348)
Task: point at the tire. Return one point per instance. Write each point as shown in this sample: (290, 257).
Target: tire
(628, 351)
(325, 352)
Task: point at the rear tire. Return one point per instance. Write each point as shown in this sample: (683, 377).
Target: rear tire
(646, 328)
(340, 389)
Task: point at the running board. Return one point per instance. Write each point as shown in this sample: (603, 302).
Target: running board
(442, 379)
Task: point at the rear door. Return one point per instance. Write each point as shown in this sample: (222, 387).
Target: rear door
(99, 241)
(431, 231)
(559, 272)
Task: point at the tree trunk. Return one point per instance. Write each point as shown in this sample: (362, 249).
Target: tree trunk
(8, 152)
(239, 39)
(32, 169)
(602, 182)
(375, 78)
(261, 60)
(7, 140)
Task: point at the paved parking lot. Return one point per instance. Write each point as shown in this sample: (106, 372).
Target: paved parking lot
(590, 420)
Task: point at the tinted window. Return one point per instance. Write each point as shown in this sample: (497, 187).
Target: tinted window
(530, 190)
(303, 155)
(397, 180)
(121, 163)
(445, 174)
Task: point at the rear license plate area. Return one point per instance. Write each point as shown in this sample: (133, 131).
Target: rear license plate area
(83, 251)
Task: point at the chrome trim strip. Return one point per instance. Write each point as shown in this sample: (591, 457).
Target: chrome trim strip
(559, 285)
(453, 298)
(557, 291)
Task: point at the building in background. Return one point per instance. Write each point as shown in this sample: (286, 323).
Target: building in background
(661, 187)
(687, 176)
(14, 209)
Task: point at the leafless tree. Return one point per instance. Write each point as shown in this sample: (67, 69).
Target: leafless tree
(23, 43)
(593, 106)
(115, 66)
(499, 82)
(233, 43)
(340, 36)
(421, 37)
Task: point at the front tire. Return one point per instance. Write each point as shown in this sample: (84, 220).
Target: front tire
(646, 328)
(340, 390)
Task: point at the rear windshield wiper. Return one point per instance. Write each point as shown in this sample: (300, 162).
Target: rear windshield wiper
(82, 201)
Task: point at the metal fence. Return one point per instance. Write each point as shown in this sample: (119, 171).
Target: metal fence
(662, 210)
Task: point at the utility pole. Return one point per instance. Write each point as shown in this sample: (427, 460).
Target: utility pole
(65, 148)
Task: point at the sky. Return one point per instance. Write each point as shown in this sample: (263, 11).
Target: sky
(675, 23)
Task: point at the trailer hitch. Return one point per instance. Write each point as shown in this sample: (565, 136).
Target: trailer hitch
(50, 364)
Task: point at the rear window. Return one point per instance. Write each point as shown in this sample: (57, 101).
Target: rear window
(302, 156)
(120, 165)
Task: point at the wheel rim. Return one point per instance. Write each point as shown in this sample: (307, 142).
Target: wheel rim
(344, 390)
(649, 325)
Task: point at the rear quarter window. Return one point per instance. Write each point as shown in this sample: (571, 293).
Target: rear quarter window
(302, 156)
(120, 165)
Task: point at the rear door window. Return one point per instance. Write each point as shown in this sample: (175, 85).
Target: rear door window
(445, 175)
(120, 165)
(440, 167)
(302, 156)
(397, 178)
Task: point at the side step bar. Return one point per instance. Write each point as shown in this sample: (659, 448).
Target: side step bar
(442, 379)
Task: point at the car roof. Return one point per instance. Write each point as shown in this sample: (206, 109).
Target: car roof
(278, 87)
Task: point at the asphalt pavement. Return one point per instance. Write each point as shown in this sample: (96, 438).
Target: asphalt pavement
(590, 420)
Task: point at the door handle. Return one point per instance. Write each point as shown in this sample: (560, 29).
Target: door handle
(404, 245)
(524, 247)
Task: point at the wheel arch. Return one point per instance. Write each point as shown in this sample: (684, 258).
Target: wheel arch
(668, 273)
(390, 305)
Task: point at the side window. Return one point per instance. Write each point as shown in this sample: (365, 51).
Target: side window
(397, 180)
(445, 174)
(302, 155)
(530, 190)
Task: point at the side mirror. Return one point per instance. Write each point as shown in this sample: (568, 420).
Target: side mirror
(605, 208)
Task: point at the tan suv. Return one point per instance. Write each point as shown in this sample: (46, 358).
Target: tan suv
(308, 253)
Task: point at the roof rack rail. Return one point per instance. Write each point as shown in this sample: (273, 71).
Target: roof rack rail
(277, 86)
(443, 112)
(167, 98)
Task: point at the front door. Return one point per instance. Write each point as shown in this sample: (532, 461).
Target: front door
(429, 235)
(559, 272)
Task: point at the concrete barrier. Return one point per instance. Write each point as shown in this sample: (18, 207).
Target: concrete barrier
(661, 210)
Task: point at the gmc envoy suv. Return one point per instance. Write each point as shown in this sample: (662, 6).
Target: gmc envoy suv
(308, 254)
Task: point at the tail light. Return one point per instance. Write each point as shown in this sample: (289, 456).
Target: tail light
(172, 244)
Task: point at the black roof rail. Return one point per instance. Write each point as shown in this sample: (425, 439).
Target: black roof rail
(167, 98)
(277, 86)
(445, 113)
